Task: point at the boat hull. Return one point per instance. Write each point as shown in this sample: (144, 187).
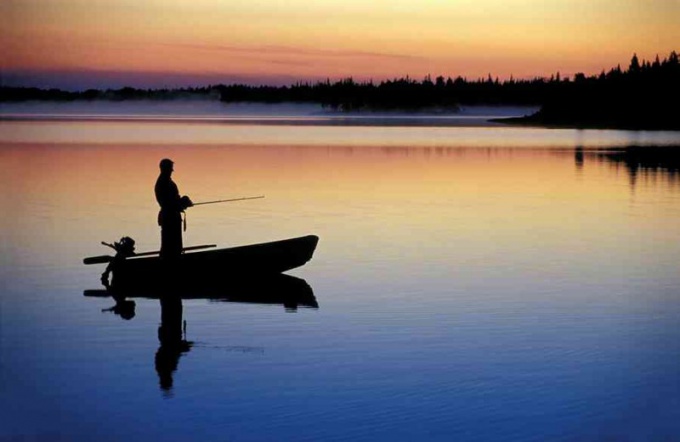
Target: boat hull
(208, 267)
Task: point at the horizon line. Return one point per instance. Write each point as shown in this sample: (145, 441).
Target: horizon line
(79, 80)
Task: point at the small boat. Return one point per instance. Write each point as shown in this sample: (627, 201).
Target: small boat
(210, 266)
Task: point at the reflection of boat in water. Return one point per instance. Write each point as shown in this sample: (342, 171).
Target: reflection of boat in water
(282, 289)
(211, 266)
(247, 274)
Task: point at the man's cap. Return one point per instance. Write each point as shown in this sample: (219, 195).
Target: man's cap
(166, 163)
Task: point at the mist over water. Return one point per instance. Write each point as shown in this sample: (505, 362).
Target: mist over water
(213, 107)
(472, 283)
(216, 112)
(218, 123)
(139, 108)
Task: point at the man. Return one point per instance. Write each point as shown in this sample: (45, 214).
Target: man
(170, 215)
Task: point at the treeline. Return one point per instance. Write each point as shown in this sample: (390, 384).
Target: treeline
(8, 94)
(399, 94)
(344, 95)
(646, 95)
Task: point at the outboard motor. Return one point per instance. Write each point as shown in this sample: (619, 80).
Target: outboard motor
(124, 249)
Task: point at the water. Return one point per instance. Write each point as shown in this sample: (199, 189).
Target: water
(473, 283)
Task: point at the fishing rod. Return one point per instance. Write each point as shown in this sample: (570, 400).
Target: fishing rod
(229, 200)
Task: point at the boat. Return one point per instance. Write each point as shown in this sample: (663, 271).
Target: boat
(194, 268)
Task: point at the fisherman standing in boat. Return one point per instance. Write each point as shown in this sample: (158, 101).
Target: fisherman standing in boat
(170, 215)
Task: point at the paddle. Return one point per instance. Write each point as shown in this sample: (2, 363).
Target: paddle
(103, 259)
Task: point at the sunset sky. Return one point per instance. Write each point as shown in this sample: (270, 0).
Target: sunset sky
(77, 44)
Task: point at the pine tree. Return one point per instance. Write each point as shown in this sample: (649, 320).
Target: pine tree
(634, 64)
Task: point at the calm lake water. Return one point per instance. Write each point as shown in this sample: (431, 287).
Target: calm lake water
(474, 282)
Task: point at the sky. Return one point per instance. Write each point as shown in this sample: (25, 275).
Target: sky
(77, 44)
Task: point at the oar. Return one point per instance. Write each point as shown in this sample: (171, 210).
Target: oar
(103, 259)
(229, 200)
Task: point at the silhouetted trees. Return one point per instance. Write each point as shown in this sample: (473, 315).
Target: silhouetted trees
(443, 94)
(8, 94)
(347, 95)
(646, 95)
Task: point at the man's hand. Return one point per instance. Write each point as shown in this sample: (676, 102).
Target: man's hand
(185, 201)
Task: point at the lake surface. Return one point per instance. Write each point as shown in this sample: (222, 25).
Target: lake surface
(472, 282)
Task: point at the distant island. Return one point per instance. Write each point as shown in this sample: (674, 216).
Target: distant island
(645, 96)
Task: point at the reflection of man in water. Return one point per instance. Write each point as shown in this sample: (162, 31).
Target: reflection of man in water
(170, 215)
(173, 343)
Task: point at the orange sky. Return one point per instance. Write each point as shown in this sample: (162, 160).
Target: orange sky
(280, 41)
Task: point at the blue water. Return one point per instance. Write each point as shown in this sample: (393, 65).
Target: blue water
(464, 292)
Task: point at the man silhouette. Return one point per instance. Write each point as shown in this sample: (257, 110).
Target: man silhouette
(170, 215)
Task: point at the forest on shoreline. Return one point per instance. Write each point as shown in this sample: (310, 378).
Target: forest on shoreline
(646, 95)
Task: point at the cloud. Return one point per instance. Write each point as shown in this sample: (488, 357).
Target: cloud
(269, 50)
(81, 79)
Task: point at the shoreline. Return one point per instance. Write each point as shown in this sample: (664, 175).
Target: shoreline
(531, 121)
